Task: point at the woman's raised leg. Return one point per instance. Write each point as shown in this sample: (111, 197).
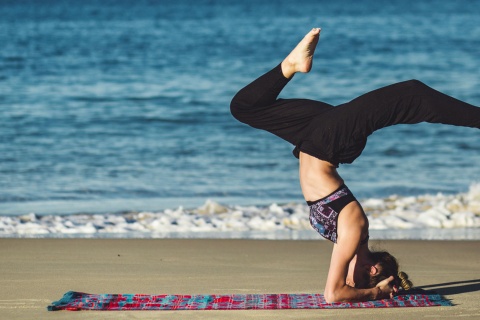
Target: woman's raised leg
(257, 104)
(407, 102)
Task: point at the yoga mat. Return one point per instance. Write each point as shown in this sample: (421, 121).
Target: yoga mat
(75, 301)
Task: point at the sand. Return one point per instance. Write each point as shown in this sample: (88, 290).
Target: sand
(35, 272)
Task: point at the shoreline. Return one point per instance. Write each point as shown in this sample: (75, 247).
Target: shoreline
(35, 272)
(427, 217)
(431, 234)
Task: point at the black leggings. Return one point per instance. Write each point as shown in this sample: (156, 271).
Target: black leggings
(339, 134)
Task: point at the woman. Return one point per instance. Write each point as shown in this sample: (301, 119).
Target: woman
(325, 136)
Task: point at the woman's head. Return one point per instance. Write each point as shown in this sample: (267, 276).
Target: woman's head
(386, 265)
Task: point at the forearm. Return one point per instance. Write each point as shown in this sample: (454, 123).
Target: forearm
(350, 294)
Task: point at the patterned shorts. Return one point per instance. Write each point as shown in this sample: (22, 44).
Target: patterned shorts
(324, 212)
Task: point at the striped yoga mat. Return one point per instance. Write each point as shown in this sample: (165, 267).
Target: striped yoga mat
(75, 301)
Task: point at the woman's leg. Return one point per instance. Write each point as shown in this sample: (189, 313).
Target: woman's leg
(437, 107)
(408, 102)
(257, 104)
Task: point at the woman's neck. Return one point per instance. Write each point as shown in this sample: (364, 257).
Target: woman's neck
(358, 274)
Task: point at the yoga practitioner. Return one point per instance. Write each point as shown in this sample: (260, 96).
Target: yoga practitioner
(325, 136)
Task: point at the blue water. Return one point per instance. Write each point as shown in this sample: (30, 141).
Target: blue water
(113, 106)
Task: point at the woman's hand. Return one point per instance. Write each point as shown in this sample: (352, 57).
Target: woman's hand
(386, 289)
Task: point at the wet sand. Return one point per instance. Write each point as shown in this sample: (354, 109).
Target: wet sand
(35, 272)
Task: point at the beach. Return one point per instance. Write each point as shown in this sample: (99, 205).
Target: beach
(123, 170)
(35, 272)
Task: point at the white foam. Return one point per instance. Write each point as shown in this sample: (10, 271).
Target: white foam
(425, 212)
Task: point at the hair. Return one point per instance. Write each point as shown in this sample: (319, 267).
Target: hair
(388, 266)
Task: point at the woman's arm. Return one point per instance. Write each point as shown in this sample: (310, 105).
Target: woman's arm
(351, 223)
(337, 290)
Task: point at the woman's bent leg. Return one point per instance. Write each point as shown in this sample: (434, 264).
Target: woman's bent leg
(257, 104)
(262, 93)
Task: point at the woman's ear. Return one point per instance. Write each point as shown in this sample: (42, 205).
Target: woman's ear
(373, 270)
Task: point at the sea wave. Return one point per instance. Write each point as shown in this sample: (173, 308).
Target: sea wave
(415, 217)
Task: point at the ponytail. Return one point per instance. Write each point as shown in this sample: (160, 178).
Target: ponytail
(404, 282)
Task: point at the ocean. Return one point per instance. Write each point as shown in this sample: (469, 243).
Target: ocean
(115, 116)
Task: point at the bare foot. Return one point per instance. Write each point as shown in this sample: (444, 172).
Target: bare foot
(301, 58)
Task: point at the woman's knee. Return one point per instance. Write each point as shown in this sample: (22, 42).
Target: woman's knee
(236, 109)
(416, 85)
(241, 109)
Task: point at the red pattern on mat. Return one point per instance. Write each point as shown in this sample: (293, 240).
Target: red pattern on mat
(75, 301)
